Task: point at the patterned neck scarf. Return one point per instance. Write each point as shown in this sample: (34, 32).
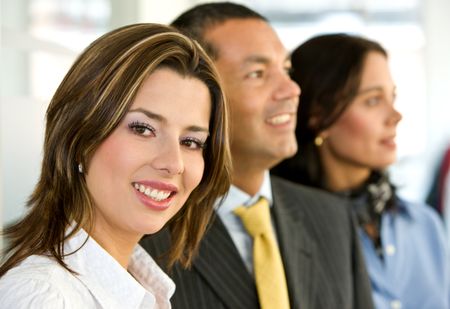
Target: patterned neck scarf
(370, 200)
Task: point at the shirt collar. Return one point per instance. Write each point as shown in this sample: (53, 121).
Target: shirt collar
(111, 284)
(403, 207)
(236, 197)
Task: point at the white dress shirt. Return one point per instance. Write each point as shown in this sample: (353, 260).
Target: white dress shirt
(100, 281)
(235, 198)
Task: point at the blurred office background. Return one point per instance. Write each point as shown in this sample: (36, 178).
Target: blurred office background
(41, 38)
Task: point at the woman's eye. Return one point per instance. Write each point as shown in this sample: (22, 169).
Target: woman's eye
(141, 128)
(373, 101)
(193, 143)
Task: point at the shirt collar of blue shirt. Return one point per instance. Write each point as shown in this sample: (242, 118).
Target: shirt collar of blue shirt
(403, 208)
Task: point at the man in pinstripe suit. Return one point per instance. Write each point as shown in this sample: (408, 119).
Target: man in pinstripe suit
(315, 232)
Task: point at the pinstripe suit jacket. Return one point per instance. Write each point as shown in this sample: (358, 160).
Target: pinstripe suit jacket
(319, 246)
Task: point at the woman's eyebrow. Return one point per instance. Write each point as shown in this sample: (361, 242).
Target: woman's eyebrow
(198, 129)
(160, 118)
(148, 113)
(373, 88)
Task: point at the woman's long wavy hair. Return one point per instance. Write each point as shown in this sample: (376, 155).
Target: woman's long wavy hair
(88, 105)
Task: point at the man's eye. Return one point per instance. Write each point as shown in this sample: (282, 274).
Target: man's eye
(289, 70)
(141, 128)
(255, 74)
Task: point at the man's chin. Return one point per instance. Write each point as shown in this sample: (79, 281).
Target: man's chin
(288, 151)
(284, 154)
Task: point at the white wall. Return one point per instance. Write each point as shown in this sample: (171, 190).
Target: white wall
(437, 26)
(416, 173)
(12, 14)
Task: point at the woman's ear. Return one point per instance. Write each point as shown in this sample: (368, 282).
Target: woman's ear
(315, 118)
(313, 122)
(320, 138)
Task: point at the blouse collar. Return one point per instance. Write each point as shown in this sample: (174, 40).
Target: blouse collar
(143, 285)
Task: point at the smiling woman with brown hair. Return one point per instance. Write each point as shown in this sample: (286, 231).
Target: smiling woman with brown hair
(124, 155)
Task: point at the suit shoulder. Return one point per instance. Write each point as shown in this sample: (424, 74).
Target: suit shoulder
(281, 184)
(312, 202)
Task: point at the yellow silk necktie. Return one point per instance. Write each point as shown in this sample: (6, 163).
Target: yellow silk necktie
(267, 263)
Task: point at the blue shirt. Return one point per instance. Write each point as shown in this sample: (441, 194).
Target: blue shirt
(235, 198)
(415, 269)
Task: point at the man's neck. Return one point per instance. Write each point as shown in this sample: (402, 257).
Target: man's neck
(249, 182)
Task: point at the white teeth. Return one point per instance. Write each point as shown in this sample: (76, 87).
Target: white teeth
(152, 193)
(160, 195)
(279, 119)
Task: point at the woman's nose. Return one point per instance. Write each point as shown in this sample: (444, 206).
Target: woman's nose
(169, 159)
(395, 116)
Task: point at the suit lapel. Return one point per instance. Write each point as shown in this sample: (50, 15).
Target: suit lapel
(296, 245)
(220, 264)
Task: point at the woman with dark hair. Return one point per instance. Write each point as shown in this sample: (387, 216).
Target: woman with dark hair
(346, 132)
(124, 155)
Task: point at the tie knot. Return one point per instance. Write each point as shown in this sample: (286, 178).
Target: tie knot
(256, 218)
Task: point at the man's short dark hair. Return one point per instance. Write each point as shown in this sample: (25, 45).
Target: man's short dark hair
(195, 21)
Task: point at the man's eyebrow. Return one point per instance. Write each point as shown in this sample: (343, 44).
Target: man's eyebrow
(256, 59)
(260, 59)
(288, 58)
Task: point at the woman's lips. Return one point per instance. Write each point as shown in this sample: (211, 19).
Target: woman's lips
(389, 142)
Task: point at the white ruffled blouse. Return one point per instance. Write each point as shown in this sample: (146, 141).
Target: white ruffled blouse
(100, 282)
